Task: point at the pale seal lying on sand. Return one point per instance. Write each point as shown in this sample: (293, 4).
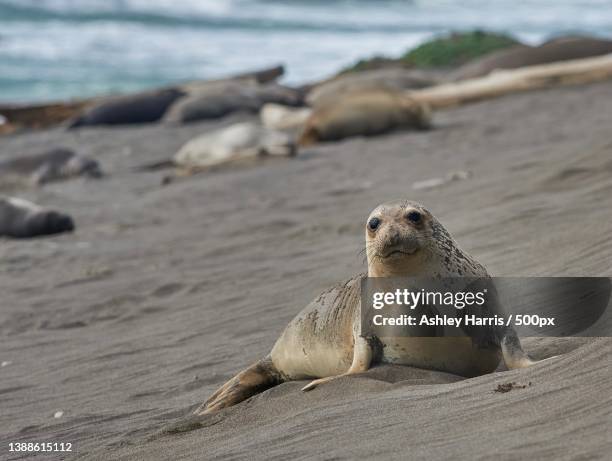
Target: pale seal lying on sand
(324, 341)
(366, 113)
(52, 165)
(559, 49)
(237, 142)
(125, 110)
(391, 78)
(219, 99)
(22, 219)
(284, 118)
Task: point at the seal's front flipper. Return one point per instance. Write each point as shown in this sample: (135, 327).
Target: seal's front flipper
(362, 358)
(513, 353)
(255, 379)
(312, 384)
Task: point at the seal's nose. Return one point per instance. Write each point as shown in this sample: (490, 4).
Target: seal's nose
(394, 238)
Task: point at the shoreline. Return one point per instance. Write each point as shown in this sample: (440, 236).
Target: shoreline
(185, 82)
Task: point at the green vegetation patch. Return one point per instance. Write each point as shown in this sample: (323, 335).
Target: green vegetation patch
(445, 51)
(456, 49)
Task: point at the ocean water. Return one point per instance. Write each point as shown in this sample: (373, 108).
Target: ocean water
(57, 49)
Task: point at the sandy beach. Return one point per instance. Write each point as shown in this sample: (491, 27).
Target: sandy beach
(165, 292)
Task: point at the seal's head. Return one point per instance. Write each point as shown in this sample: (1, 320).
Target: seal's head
(399, 239)
(61, 164)
(46, 222)
(81, 165)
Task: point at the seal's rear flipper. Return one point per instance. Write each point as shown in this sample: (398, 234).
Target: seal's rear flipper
(255, 379)
(513, 353)
(155, 166)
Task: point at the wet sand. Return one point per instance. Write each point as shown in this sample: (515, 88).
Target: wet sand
(163, 293)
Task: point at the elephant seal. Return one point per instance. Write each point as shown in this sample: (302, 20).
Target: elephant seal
(22, 219)
(390, 78)
(236, 142)
(218, 99)
(131, 109)
(558, 49)
(258, 77)
(364, 113)
(324, 341)
(53, 165)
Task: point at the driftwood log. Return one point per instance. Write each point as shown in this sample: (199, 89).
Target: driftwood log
(503, 82)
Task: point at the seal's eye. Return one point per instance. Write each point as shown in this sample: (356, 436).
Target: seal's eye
(414, 216)
(373, 224)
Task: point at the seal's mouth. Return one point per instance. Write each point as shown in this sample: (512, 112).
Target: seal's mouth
(399, 253)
